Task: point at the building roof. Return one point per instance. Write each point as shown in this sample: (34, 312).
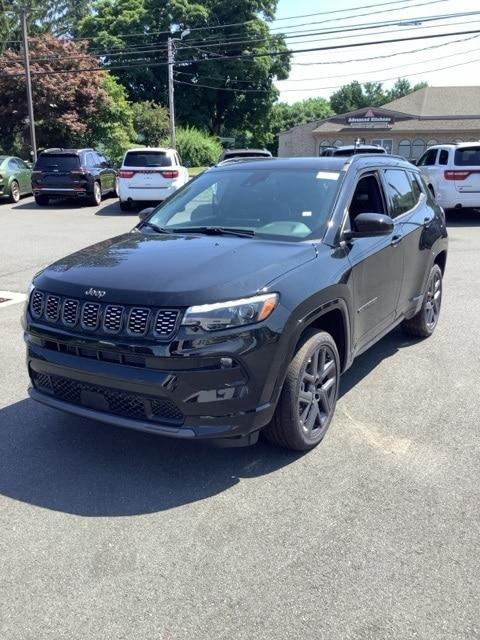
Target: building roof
(470, 124)
(439, 101)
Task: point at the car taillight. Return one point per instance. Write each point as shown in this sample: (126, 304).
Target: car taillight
(79, 172)
(169, 174)
(126, 174)
(456, 175)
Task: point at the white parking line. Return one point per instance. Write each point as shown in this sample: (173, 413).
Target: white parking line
(10, 297)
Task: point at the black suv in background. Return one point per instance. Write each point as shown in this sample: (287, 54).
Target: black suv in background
(236, 304)
(72, 173)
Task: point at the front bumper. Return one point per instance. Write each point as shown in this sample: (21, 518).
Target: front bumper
(207, 388)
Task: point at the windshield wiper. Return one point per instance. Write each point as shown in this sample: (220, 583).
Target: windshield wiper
(216, 231)
(156, 228)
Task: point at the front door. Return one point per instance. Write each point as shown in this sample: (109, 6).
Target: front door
(377, 265)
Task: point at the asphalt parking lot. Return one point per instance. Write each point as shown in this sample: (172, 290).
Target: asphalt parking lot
(112, 534)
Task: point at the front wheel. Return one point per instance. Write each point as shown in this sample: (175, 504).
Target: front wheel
(309, 395)
(96, 197)
(423, 324)
(14, 192)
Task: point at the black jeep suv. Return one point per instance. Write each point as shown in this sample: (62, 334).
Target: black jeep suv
(236, 304)
(72, 173)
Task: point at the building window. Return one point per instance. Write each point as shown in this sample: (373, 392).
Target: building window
(457, 141)
(322, 145)
(338, 143)
(432, 142)
(405, 148)
(418, 147)
(386, 144)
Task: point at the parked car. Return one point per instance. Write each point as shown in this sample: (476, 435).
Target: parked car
(239, 154)
(150, 174)
(452, 172)
(15, 178)
(236, 305)
(72, 173)
(351, 149)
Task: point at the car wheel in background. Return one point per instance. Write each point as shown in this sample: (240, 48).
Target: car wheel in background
(42, 201)
(96, 197)
(14, 192)
(309, 395)
(126, 205)
(423, 324)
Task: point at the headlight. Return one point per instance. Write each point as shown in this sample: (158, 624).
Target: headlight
(236, 313)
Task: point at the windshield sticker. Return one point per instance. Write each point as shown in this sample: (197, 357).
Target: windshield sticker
(327, 175)
(307, 214)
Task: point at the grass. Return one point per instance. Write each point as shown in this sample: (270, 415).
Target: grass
(194, 171)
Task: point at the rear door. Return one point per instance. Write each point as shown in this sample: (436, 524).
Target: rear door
(466, 172)
(57, 171)
(151, 170)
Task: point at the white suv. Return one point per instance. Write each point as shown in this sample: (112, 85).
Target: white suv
(149, 174)
(452, 172)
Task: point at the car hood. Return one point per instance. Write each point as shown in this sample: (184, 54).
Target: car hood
(164, 270)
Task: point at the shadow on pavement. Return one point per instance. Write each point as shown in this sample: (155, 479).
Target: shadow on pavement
(61, 204)
(463, 218)
(70, 464)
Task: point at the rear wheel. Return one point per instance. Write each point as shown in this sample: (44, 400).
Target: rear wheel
(126, 205)
(42, 201)
(423, 324)
(309, 395)
(14, 192)
(96, 197)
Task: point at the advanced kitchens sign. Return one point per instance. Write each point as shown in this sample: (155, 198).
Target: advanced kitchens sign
(370, 120)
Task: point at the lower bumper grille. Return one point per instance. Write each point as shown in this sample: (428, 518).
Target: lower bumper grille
(122, 403)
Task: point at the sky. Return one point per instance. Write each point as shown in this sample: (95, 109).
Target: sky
(319, 74)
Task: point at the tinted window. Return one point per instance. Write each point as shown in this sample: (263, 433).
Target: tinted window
(367, 198)
(428, 158)
(57, 162)
(147, 159)
(291, 204)
(400, 191)
(443, 157)
(467, 157)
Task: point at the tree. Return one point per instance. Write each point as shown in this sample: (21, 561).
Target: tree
(355, 96)
(214, 94)
(151, 122)
(64, 103)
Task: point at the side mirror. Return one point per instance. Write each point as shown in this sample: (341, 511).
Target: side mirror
(369, 225)
(144, 213)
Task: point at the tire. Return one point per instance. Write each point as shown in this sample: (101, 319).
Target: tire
(42, 201)
(309, 395)
(125, 206)
(14, 192)
(96, 196)
(423, 324)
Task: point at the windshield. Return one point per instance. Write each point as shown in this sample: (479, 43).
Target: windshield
(147, 159)
(60, 162)
(286, 204)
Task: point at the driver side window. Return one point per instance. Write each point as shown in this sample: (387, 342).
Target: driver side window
(367, 198)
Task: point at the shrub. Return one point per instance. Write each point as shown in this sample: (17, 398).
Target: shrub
(196, 148)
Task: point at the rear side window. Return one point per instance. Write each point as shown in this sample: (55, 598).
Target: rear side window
(147, 159)
(416, 187)
(400, 192)
(57, 162)
(428, 158)
(443, 157)
(467, 157)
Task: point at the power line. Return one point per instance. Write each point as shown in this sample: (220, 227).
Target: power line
(419, 73)
(259, 54)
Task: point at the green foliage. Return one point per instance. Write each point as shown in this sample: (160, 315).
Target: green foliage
(355, 96)
(112, 129)
(235, 101)
(151, 122)
(196, 148)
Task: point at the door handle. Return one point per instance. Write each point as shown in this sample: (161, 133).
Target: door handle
(396, 240)
(427, 220)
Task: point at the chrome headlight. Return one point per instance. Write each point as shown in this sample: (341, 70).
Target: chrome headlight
(236, 313)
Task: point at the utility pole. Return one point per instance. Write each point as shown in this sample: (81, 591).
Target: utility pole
(171, 104)
(28, 80)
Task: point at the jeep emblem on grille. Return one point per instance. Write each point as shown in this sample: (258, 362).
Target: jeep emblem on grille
(97, 293)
